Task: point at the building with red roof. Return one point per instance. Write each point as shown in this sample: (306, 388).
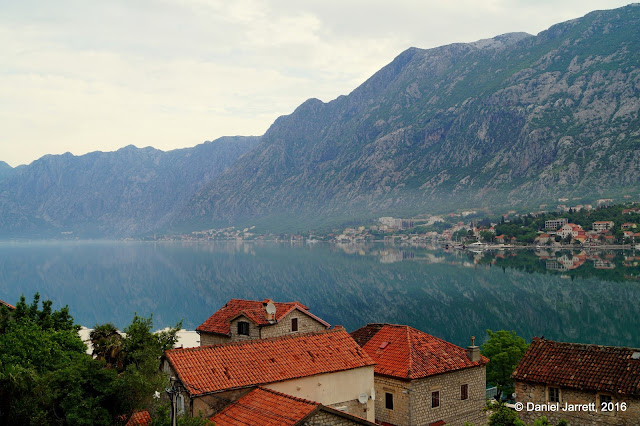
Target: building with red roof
(3, 303)
(265, 407)
(605, 378)
(242, 319)
(140, 418)
(327, 367)
(421, 379)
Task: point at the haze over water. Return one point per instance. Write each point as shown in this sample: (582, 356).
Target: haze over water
(444, 294)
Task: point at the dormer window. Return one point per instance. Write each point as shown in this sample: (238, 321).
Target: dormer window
(294, 324)
(243, 328)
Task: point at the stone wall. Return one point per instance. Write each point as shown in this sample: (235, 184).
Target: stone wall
(412, 400)
(254, 330)
(207, 339)
(324, 418)
(538, 394)
(306, 324)
(399, 389)
(453, 410)
(210, 405)
(353, 407)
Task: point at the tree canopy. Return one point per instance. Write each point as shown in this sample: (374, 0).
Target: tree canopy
(504, 350)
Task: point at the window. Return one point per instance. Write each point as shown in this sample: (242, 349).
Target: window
(605, 399)
(435, 399)
(464, 392)
(243, 328)
(554, 394)
(294, 324)
(388, 401)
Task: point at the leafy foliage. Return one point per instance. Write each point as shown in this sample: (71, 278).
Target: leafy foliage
(504, 350)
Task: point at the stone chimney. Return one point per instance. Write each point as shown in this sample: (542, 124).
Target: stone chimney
(473, 351)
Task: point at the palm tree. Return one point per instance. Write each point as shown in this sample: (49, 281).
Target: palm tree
(108, 345)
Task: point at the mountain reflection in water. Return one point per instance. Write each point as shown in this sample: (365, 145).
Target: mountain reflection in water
(452, 295)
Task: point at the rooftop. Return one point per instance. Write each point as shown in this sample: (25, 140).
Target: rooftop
(265, 407)
(210, 369)
(580, 366)
(220, 322)
(403, 352)
(11, 307)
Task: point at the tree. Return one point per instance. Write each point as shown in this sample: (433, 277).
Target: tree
(503, 416)
(504, 350)
(108, 344)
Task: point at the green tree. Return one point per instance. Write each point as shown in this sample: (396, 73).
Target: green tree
(108, 345)
(504, 350)
(503, 415)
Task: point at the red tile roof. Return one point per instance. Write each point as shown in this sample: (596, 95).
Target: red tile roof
(403, 352)
(11, 307)
(264, 407)
(140, 418)
(219, 322)
(209, 369)
(581, 366)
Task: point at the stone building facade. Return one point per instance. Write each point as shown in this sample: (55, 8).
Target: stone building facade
(240, 320)
(583, 384)
(420, 379)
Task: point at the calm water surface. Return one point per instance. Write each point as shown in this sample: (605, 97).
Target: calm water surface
(450, 295)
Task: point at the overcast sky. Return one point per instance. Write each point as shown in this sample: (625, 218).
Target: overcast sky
(82, 76)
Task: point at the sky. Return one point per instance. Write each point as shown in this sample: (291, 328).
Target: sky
(80, 76)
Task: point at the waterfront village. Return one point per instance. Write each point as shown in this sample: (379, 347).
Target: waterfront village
(607, 225)
(277, 363)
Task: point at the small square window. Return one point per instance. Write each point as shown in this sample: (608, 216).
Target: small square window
(435, 399)
(554, 394)
(388, 401)
(294, 324)
(605, 399)
(464, 391)
(243, 328)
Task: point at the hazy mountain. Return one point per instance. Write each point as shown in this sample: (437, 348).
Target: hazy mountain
(111, 194)
(5, 170)
(513, 121)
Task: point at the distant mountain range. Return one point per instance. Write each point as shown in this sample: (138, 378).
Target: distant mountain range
(128, 192)
(513, 121)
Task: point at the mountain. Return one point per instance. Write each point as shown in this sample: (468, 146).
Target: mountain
(109, 194)
(514, 121)
(5, 170)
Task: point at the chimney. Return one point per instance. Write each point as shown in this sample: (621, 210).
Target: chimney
(270, 310)
(473, 351)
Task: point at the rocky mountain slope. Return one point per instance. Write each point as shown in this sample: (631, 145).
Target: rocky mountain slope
(512, 121)
(109, 194)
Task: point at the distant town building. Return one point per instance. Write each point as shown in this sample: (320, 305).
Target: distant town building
(242, 319)
(602, 225)
(3, 303)
(555, 223)
(558, 373)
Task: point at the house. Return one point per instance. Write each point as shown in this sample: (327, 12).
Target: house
(557, 373)
(140, 418)
(602, 225)
(3, 303)
(500, 239)
(265, 407)
(327, 367)
(571, 229)
(628, 225)
(251, 319)
(544, 238)
(423, 380)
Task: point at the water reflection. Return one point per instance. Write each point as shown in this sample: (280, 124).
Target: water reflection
(452, 295)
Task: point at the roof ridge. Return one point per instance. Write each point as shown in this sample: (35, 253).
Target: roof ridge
(542, 339)
(267, 339)
(411, 350)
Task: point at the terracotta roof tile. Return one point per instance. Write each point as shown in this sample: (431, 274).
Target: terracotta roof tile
(139, 418)
(406, 353)
(264, 407)
(11, 307)
(209, 369)
(219, 322)
(581, 366)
